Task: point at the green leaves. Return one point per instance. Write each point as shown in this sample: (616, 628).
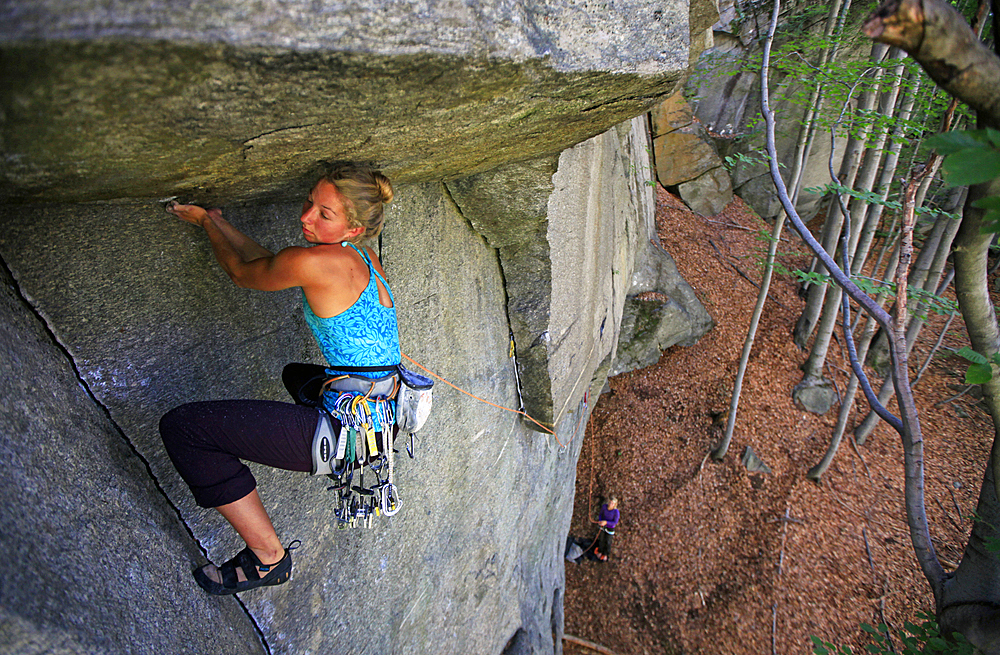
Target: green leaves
(927, 300)
(821, 647)
(972, 157)
(914, 639)
(752, 160)
(972, 166)
(981, 370)
(991, 220)
(870, 197)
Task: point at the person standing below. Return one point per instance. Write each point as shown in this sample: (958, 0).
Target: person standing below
(607, 519)
(349, 308)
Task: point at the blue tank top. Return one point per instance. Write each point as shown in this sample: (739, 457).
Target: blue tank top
(364, 334)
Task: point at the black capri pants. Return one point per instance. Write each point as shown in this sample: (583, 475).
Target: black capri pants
(207, 440)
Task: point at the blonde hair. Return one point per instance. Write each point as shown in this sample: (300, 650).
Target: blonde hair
(365, 191)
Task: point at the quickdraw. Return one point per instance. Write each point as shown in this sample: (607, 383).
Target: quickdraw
(369, 412)
(366, 421)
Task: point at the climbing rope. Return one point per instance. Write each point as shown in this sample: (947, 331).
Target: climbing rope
(544, 427)
(515, 411)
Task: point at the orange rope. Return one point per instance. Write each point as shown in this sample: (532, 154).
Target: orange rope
(544, 428)
(590, 492)
(576, 429)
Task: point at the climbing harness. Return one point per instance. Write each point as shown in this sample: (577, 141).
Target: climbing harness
(370, 411)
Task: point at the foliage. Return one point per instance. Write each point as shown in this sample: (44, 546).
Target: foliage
(731, 161)
(796, 74)
(875, 198)
(931, 301)
(870, 197)
(914, 639)
(650, 170)
(972, 157)
(980, 371)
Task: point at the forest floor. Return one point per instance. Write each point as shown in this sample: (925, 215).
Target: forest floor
(705, 560)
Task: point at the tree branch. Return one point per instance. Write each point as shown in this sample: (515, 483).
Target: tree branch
(909, 426)
(941, 41)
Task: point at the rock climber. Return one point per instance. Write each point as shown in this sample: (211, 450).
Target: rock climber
(350, 310)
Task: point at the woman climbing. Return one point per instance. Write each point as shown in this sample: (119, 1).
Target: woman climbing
(350, 310)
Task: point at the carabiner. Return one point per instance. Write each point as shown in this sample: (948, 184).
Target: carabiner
(389, 499)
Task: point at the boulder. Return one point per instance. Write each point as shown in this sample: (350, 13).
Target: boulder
(815, 395)
(661, 311)
(683, 155)
(752, 461)
(709, 193)
(726, 99)
(686, 158)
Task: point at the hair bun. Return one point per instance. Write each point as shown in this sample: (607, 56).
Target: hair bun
(384, 187)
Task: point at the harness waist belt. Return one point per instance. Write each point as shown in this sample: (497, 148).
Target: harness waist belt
(373, 387)
(365, 369)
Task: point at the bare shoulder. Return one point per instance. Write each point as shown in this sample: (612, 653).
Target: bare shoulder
(322, 255)
(375, 260)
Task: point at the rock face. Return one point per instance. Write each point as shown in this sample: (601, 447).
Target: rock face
(726, 99)
(686, 159)
(243, 99)
(511, 217)
(100, 551)
(145, 327)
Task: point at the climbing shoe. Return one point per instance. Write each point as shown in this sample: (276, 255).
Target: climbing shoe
(274, 574)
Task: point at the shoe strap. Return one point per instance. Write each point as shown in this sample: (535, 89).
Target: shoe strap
(248, 561)
(265, 568)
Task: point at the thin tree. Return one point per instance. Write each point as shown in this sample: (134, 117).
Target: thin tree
(849, 166)
(813, 378)
(834, 24)
(940, 40)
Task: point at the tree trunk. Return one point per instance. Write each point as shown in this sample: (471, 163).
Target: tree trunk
(884, 185)
(971, 255)
(834, 23)
(814, 392)
(940, 40)
(929, 267)
(927, 274)
(835, 218)
(865, 181)
(720, 451)
(938, 37)
(970, 600)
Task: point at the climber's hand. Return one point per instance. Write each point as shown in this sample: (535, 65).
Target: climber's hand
(189, 213)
